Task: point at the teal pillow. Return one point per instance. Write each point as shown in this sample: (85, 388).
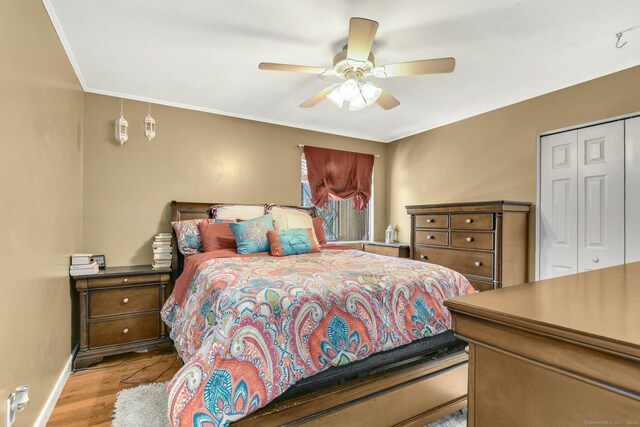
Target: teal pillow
(251, 235)
(295, 241)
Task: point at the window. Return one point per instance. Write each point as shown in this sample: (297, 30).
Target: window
(341, 221)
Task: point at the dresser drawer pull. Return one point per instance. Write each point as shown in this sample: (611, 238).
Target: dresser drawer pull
(429, 237)
(478, 264)
(469, 239)
(125, 280)
(429, 220)
(125, 331)
(423, 256)
(125, 300)
(469, 221)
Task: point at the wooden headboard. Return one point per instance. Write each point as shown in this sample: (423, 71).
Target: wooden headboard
(182, 211)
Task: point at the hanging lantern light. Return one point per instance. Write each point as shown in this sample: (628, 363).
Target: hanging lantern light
(122, 126)
(149, 125)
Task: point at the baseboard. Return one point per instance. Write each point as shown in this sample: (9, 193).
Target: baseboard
(47, 409)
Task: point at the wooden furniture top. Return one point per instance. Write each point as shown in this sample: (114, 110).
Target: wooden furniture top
(390, 245)
(598, 308)
(131, 270)
(496, 205)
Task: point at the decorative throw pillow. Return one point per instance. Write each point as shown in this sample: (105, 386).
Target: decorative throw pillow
(294, 241)
(318, 228)
(287, 219)
(188, 236)
(251, 235)
(217, 236)
(231, 212)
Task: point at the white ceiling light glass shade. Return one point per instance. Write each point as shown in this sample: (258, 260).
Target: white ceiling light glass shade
(367, 93)
(349, 90)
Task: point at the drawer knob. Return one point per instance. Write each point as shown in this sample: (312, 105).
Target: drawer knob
(125, 280)
(429, 237)
(469, 239)
(429, 219)
(423, 256)
(125, 300)
(125, 331)
(478, 264)
(469, 221)
(595, 259)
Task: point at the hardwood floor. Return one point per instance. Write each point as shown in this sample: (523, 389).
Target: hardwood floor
(89, 396)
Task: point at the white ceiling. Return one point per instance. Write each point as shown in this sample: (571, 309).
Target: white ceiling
(204, 55)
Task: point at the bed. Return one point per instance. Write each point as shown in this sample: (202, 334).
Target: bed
(339, 337)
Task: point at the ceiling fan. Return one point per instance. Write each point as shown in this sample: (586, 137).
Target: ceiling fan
(356, 63)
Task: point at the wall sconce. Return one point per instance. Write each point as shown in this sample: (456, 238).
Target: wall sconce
(149, 125)
(122, 126)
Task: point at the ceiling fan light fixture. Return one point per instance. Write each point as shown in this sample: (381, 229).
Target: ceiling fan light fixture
(335, 97)
(370, 92)
(349, 89)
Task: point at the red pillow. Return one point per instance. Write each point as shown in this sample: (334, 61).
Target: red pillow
(318, 228)
(217, 236)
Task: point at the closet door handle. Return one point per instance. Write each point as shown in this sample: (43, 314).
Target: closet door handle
(595, 259)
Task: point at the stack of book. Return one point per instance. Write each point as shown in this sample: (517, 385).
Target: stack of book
(162, 250)
(83, 264)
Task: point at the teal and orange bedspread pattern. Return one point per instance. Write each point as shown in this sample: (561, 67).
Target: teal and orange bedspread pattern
(249, 328)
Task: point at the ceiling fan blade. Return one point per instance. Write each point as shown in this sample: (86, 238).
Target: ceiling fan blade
(361, 34)
(317, 97)
(425, 66)
(387, 101)
(288, 67)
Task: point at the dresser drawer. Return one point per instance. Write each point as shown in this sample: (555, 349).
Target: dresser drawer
(465, 239)
(481, 286)
(432, 221)
(123, 300)
(472, 221)
(429, 237)
(107, 282)
(121, 331)
(466, 262)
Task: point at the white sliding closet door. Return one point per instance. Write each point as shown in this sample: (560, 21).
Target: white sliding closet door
(632, 225)
(601, 195)
(558, 205)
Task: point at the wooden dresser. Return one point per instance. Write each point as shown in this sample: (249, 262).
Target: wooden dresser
(485, 241)
(558, 352)
(120, 312)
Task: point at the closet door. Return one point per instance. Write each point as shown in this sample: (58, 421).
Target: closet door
(601, 196)
(558, 205)
(632, 225)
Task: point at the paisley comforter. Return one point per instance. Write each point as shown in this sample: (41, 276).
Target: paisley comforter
(249, 328)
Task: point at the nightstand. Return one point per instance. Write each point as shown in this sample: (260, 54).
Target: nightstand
(120, 312)
(398, 250)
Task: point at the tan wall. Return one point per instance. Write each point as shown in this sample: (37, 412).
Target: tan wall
(41, 175)
(493, 156)
(196, 157)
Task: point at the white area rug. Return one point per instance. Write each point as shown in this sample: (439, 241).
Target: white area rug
(146, 405)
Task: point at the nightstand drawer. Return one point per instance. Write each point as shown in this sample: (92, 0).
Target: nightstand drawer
(123, 300)
(120, 331)
(107, 282)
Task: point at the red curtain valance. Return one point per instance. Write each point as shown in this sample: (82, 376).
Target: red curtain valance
(340, 175)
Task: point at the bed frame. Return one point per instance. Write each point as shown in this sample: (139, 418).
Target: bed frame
(405, 391)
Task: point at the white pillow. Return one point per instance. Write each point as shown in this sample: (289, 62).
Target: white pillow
(233, 212)
(286, 219)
